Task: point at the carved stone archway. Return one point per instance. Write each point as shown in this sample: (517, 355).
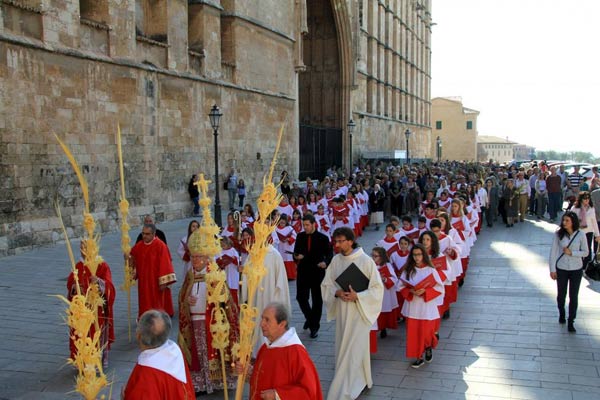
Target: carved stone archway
(324, 87)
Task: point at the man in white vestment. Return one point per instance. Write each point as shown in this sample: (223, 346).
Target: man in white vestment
(275, 289)
(355, 313)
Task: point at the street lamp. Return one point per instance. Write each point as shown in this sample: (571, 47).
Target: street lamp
(407, 133)
(439, 148)
(215, 117)
(351, 125)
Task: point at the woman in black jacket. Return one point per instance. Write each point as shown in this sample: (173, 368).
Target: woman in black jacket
(376, 200)
(194, 194)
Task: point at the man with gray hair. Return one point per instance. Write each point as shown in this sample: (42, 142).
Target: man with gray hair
(160, 372)
(283, 369)
(154, 272)
(148, 220)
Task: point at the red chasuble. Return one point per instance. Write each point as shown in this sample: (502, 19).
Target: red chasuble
(289, 370)
(153, 268)
(147, 383)
(105, 313)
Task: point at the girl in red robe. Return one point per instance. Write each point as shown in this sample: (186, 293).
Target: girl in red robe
(388, 318)
(420, 286)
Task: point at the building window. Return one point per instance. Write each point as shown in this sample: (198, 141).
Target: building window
(94, 10)
(469, 124)
(151, 19)
(438, 125)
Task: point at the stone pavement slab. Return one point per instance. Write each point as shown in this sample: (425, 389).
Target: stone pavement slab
(502, 340)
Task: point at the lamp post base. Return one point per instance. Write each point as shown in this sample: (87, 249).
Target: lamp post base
(218, 219)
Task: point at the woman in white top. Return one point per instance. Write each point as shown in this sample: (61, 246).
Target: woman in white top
(569, 247)
(587, 221)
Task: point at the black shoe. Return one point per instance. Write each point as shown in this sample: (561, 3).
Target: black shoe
(571, 328)
(306, 325)
(428, 355)
(446, 315)
(383, 334)
(562, 320)
(417, 363)
(314, 334)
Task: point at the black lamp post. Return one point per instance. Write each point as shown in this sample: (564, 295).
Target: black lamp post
(351, 125)
(215, 118)
(439, 148)
(407, 133)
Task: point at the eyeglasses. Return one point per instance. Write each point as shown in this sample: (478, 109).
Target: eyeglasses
(375, 256)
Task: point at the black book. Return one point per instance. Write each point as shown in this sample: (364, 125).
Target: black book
(352, 276)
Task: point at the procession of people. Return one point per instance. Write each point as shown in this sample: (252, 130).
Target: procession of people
(410, 278)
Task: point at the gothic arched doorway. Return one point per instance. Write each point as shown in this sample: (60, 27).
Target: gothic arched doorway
(320, 93)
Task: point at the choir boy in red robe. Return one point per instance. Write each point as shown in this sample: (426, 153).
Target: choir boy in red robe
(389, 242)
(287, 237)
(154, 272)
(161, 372)
(282, 369)
(340, 214)
(323, 222)
(228, 260)
(408, 230)
(398, 260)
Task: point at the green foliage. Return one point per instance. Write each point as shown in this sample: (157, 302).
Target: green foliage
(576, 156)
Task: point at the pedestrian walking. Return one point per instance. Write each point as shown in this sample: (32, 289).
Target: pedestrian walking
(241, 191)
(491, 211)
(194, 194)
(231, 186)
(569, 247)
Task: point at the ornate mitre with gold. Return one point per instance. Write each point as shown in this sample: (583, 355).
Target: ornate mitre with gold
(205, 239)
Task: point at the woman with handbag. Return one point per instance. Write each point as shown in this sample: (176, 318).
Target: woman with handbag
(566, 266)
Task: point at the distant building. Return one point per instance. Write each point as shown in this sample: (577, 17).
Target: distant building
(523, 152)
(456, 126)
(494, 148)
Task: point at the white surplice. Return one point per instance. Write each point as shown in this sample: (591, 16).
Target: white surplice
(353, 322)
(275, 289)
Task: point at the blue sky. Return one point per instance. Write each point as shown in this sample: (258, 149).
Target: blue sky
(531, 67)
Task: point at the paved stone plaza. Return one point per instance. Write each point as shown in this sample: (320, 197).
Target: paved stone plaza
(502, 340)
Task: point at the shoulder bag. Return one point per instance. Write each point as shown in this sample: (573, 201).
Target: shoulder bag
(570, 241)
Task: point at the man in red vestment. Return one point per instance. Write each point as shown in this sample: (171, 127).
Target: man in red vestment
(160, 373)
(283, 369)
(154, 272)
(103, 279)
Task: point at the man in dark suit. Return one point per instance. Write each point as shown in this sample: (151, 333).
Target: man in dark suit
(313, 253)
